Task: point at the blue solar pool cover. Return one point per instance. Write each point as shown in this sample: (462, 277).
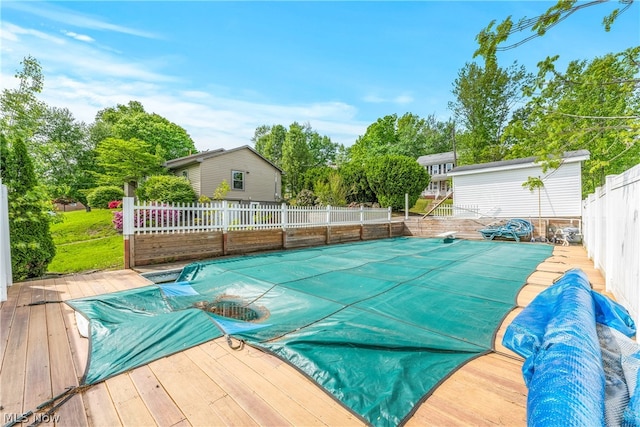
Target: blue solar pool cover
(377, 324)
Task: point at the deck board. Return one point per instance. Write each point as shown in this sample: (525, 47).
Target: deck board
(212, 384)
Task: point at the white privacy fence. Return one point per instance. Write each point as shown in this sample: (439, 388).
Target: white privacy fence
(5, 248)
(611, 228)
(146, 217)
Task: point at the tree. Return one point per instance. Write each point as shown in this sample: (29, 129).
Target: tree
(493, 36)
(269, 141)
(125, 161)
(485, 97)
(594, 105)
(355, 174)
(392, 176)
(332, 191)
(32, 247)
(295, 158)
(63, 155)
(409, 135)
(321, 149)
(20, 110)
(132, 121)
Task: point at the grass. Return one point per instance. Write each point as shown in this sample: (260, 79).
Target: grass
(86, 241)
(420, 208)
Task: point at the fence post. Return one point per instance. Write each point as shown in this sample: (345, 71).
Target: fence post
(328, 214)
(389, 214)
(5, 246)
(406, 206)
(361, 215)
(128, 230)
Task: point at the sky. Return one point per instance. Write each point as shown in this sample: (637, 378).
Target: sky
(221, 69)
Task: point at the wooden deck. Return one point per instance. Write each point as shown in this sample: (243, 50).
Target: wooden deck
(42, 354)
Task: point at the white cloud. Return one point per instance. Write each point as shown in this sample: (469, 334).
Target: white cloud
(72, 18)
(81, 37)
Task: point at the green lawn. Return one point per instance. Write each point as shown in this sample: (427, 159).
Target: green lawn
(86, 241)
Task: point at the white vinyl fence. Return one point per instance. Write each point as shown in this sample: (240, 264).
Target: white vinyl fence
(146, 217)
(448, 211)
(611, 228)
(5, 247)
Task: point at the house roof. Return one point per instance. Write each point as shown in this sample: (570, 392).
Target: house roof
(199, 157)
(436, 159)
(567, 157)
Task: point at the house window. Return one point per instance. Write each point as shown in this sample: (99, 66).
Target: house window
(237, 180)
(449, 166)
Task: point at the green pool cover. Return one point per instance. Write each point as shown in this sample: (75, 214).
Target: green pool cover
(377, 324)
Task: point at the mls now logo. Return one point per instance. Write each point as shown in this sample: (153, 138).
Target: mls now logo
(11, 419)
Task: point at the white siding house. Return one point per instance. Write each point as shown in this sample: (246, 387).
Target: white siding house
(496, 188)
(438, 166)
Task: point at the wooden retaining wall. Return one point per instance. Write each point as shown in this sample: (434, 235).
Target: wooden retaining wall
(145, 249)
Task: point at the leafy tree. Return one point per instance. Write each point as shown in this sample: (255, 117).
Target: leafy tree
(321, 149)
(20, 110)
(132, 121)
(32, 247)
(269, 142)
(63, 155)
(492, 38)
(485, 97)
(295, 158)
(409, 135)
(392, 176)
(594, 105)
(354, 173)
(332, 191)
(166, 188)
(126, 161)
(305, 197)
(315, 175)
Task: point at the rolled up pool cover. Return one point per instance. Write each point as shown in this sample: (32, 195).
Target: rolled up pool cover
(563, 368)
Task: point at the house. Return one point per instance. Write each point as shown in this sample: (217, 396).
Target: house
(496, 188)
(438, 165)
(252, 178)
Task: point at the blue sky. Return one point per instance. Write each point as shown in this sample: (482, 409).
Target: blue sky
(220, 69)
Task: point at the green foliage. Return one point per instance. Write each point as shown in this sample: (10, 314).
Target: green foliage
(295, 158)
(593, 105)
(126, 160)
(305, 197)
(316, 174)
(533, 182)
(332, 191)
(221, 190)
(20, 110)
(166, 188)
(131, 121)
(100, 197)
(408, 135)
(493, 36)
(484, 99)
(64, 157)
(354, 173)
(204, 199)
(32, 247)
(392, 176)
(270, 140)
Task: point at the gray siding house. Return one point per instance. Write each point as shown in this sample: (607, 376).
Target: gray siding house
(496, 188)
(252, 178)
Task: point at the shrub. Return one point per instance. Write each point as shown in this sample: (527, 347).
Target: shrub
(149, 217)
(32, 247)
(305, 198)
(166, 188)
(392, 176)
(100, 197)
